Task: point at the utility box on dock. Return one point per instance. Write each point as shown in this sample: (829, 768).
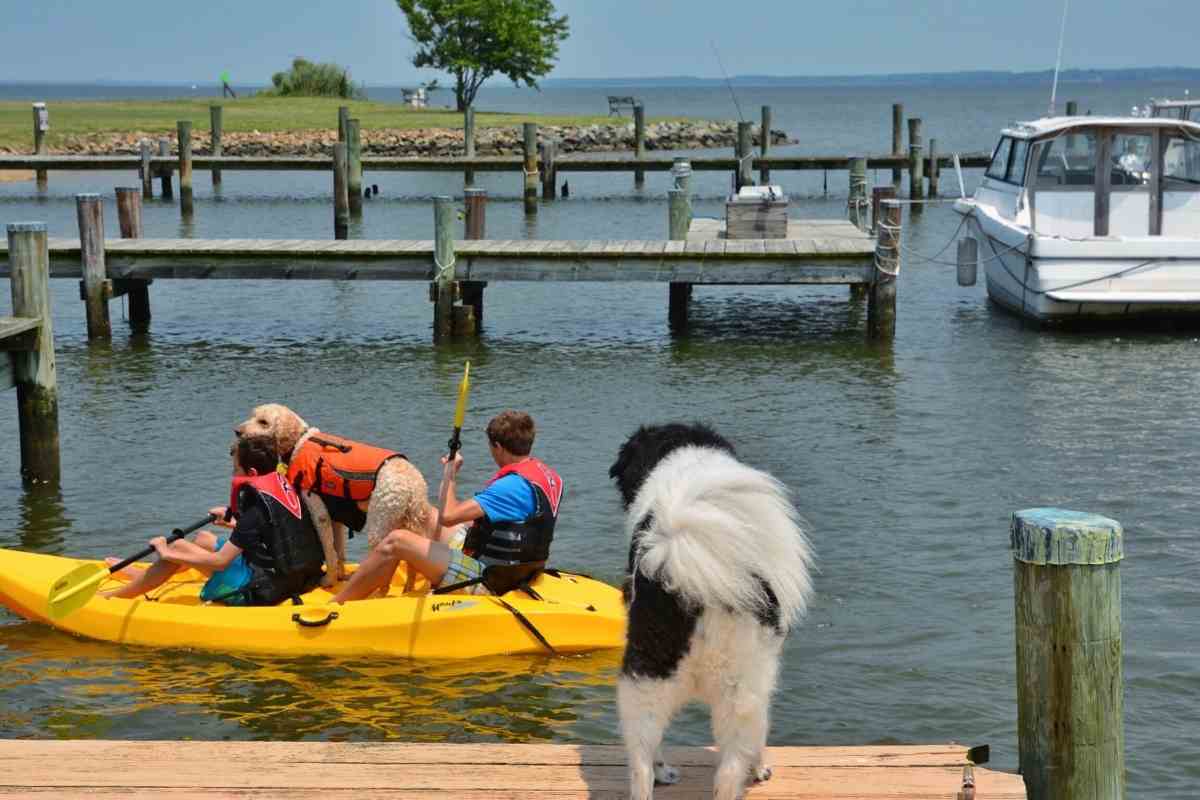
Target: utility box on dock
(756, 212)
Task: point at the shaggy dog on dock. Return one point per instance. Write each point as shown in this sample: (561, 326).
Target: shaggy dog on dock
(718, 574)
(399, 499)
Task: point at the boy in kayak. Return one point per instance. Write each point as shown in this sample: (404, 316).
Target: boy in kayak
(512, 524)
(273, 552)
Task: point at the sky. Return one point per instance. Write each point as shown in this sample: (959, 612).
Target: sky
(169, 40)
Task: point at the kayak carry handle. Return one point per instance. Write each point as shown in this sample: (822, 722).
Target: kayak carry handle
(314, 623)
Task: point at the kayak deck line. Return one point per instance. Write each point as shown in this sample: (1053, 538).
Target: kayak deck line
(170, 769)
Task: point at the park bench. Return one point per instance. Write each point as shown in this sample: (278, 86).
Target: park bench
(615, 104)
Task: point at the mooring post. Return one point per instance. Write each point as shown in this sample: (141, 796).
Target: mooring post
(186, 208)
(33, 369)
(531, 167)
(916, 162)
(129, 220)
(41, 123)
(639, 143)
(1070, 690)
(476, 228)
(549, 169)
(341, 202)
(745, 154)
(343, 115)
(1072, 108)
(354, 172)
(764, 147)
(165, 172)
(147, 177)
(443, 268)
(856, 203)
(897, 142)
(469, 144)
(678, 222)
(881, 302)
(214, 116)
(878, 195)
(89, 210)
(935, 169)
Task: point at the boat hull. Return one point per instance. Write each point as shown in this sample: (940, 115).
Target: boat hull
(576, 614)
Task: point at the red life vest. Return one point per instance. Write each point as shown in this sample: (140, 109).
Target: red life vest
(336, 467)
(540, 475)
(274, 485)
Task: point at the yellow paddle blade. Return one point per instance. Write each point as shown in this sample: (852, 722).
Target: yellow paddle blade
(72, 591)
(464, 388)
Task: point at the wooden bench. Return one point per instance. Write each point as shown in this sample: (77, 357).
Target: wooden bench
(615, 104)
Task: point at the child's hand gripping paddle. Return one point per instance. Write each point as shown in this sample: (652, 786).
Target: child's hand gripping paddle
(455, 443)
(72, 591)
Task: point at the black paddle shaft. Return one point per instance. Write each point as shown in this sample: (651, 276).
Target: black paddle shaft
(455, 443)
(176, 534)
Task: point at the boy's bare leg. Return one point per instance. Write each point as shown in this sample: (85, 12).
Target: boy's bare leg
(426, 557)
(158, 573)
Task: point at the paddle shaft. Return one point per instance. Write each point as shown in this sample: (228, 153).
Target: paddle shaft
(176, 535)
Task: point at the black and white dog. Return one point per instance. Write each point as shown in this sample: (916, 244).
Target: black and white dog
(718, 574)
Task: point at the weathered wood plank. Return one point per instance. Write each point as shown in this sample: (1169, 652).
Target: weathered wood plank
(7, 379)
(11, 327)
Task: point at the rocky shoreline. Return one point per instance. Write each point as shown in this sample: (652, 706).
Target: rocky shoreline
(429, 141)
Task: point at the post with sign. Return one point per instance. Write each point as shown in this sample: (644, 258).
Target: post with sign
(41, 124)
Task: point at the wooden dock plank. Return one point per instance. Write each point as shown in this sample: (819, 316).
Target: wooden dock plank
(11, 327)
(7, 374)
(312, 769)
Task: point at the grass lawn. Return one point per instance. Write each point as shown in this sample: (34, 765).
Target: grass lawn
(266, 114)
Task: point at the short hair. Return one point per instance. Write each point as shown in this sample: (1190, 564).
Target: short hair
(512, 430)
(257, 453)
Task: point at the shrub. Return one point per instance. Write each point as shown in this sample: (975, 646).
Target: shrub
(306, 79)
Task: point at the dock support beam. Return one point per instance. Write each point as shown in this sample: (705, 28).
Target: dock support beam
(469, 143)
(34, 372)
(341, 202)
(529, 137)
(90, 212)
(764, 146)
(639, 143)
(129, 219)
(39, 142)
(1070, 694)
(916, 161)
(186, 207)
(354, 170)
(214, 116)
(166, 191)
(897, 142)
(678, 222)
(881, 302)
(476, 228)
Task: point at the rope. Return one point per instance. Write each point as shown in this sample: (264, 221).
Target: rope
(442, 269)
(893, 232)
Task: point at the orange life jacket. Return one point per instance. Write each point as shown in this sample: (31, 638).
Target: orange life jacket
(336, 467)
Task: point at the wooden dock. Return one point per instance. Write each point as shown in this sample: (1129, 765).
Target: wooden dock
(359, 771)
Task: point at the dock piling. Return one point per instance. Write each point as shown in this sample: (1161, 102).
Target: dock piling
(343, 115)
(678, 222)
(916, 163)
(166, 191)
(856, 202)
(897, 141)
(443, 268)
(41, 123)
(881, 302)
(745, 155)
(639, 143)
(476, 228)
(147, 176)
(186, 206)
(341, 202)
(34, 371)
(1070, 694)
(214, 116)
(354, 170)
(129, 220)
(764, 146)
(549, 169)
(934, 168)
(89, 210)
(469, 143)
(529, 137)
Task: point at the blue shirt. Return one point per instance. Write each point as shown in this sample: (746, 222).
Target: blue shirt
(509, 499)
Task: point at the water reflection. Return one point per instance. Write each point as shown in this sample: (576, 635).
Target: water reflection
(43, 520)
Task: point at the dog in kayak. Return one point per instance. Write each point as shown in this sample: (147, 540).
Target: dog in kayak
(718, 574)
(346, 485)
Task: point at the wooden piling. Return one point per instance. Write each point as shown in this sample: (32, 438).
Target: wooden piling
(639, 142)
(881, 302)
(40, 123)
(935, 171)
(214, 116)
(343, 115)
(147, 177)
(529, 139)
(354, 171)
(745, 155)
(1072, 108)
(878, 195)
(341, 201)
(165, 174)
(129, 220)
(764, 146)
(34, 371)
(856, 202)
(1070, 691)
(549, 169)
(897, 142)
(89, 211)
(469, 143)
(184, 129)
(443, 268)
(678, 221)
(916, 163)
(475, 201)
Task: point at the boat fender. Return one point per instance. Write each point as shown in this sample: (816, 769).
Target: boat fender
(968, 261)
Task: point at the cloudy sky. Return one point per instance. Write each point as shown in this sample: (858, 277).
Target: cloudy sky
(168, 40)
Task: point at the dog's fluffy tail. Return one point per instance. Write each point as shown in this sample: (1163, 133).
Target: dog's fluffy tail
(721, 533)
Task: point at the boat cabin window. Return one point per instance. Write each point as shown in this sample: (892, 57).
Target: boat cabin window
(1181, 185)
(1129, 166)
(1068, 162)
(1016, 168)
(998, 169)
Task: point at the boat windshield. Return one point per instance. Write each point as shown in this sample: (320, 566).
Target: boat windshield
(1068, 162)
(1181, 164)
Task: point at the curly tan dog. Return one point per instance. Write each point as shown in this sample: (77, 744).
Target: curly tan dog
(343, 483)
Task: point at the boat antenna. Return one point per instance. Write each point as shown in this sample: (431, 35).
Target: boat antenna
(728, 82)
(1062, 33)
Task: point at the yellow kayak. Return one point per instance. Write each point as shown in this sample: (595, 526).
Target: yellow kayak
(574, 614)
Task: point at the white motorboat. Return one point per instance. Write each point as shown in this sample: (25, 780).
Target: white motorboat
(1092, 218)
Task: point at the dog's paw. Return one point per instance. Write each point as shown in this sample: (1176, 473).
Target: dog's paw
(665, 774)
(761, 773)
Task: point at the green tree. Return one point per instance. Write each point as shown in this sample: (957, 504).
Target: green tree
(475, 39)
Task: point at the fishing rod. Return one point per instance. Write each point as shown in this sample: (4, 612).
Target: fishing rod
(1062, 34)
(728, 82)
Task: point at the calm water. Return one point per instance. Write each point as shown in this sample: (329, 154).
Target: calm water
(906, 460)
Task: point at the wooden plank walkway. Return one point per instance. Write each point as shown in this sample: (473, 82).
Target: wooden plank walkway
(358, 771)
(14, 335)
(612, 163)
(821, 252)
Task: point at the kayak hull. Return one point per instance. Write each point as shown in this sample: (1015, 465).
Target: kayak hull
(576, 614)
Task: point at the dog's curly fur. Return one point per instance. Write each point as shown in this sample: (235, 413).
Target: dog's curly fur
(718, 574)
(400, 498)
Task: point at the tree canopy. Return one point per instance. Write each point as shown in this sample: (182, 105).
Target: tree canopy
(475, 39)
